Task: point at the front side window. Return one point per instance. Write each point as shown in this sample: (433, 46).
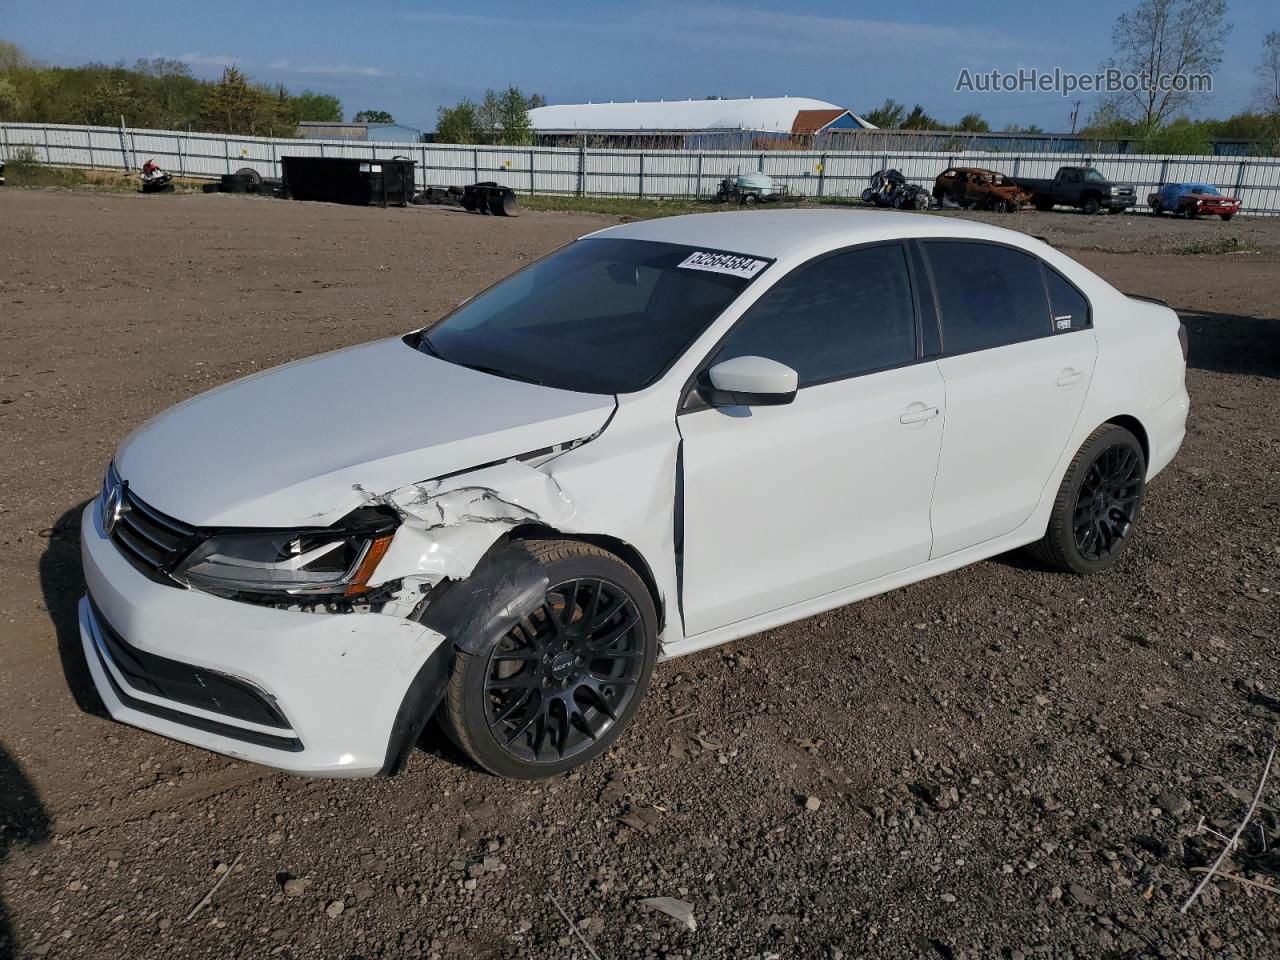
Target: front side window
(989, 295)
(1093, 176)
(837, 317)
(599, 316)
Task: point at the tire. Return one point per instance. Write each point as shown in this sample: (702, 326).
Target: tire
(1109, 510)
(1090, 206)
(543, 647)
(868, 196)
(1156, 209)
(1188, 211)
(750, 199)
(211, 188)
(253, 176)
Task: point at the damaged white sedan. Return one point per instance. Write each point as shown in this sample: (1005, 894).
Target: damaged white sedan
(663, 436)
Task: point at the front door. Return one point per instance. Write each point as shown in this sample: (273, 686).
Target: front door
(784, 504)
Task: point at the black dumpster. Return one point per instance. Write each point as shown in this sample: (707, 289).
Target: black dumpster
(343, 180)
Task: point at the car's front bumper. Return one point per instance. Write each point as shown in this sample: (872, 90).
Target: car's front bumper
(336, 681)
(1120, 202)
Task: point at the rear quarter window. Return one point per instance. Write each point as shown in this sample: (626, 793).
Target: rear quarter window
(1070, 307)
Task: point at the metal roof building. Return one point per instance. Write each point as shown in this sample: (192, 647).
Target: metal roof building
(763, 123)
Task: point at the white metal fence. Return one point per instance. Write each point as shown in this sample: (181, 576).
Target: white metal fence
(602, 172)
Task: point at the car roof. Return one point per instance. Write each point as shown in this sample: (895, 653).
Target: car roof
(775, 234)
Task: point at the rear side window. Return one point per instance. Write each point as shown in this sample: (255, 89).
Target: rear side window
(989, 295)
(844, 315)
(1069, 306)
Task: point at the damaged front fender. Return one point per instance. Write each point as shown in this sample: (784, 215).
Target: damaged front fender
(448, 525)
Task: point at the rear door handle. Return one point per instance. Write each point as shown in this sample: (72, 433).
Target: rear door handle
(1070, 376)
(918, 413)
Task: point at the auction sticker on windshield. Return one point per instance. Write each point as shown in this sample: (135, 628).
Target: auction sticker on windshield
(731, 263)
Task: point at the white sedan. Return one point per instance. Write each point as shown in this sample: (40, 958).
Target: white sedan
(663, 436)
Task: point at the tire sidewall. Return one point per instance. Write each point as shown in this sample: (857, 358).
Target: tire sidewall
(473, 670)
(1101, 441)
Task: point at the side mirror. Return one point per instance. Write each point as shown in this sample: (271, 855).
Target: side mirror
(750, 382)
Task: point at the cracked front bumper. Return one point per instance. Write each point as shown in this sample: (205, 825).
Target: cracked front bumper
(310, 693)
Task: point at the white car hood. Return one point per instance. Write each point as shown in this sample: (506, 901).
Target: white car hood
(290, 446)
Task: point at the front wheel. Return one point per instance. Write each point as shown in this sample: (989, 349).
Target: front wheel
(558, 688)
(1097, 505)
(1090, 206)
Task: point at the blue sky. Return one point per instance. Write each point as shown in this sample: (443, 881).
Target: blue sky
(410, 58)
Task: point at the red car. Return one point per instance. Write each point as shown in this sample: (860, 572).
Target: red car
(1191, 200)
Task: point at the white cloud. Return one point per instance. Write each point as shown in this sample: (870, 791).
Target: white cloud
(198, 59)
(328, 69)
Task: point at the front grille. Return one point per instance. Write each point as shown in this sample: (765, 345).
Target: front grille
(152, 541)
(183, 683)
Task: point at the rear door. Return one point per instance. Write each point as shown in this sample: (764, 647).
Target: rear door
(1016, 374)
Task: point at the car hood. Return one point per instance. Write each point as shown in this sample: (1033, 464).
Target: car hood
(296, 445)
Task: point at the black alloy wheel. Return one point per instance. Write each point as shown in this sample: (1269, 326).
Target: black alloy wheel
(1096, 509)
(1107, 502)
(559, 687)
(561, 677)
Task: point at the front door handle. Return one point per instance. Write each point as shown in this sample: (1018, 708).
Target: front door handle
(1070, 376)
(918, 413)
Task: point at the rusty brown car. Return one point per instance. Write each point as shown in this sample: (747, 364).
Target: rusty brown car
(979, 189)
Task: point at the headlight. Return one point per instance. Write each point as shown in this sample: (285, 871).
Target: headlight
(1115, 190)
(288, 562)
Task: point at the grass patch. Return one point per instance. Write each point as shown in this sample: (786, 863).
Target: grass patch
(22, 169)
(642, 208)
(1222, 243)
(638, 207)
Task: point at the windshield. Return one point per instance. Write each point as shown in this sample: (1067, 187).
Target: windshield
(599, 316)
(1093, 176)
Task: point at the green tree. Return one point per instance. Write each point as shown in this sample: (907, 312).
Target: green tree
(1181, 136)
(513, 119)
(110, 99)
(373, 116)
(973, 123)
(10, 100)
(457, 124)
(234, 105)
(888, 116)
(322, 107)
(917, 119)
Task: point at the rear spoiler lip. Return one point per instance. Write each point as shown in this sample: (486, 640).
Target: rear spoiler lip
(1155, 300)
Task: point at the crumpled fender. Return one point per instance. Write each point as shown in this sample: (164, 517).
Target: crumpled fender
(448, 525)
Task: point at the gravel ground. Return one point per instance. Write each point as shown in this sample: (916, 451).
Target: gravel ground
(1000, 762)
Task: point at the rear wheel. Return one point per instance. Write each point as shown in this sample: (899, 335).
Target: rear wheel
(558, 688)
(1097, 505)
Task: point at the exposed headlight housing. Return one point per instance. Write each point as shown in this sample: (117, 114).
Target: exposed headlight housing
(319, 564)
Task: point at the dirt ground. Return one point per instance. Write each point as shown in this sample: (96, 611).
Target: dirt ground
(1007, 762)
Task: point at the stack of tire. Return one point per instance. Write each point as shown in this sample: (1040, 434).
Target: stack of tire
(245, 180)
(487, 197)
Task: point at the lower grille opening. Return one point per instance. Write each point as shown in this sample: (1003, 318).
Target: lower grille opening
(190, 686)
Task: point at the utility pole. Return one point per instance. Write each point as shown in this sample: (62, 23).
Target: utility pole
(1075, 115)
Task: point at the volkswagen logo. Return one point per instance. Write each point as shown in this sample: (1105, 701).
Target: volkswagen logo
(113, 507)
